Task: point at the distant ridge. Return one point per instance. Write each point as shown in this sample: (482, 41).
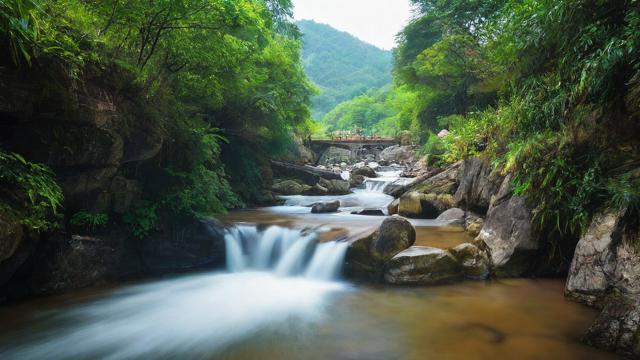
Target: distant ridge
(341, 65)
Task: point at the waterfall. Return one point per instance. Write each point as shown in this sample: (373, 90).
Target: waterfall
(285, 252)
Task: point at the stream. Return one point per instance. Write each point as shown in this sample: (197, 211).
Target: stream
(282, 297)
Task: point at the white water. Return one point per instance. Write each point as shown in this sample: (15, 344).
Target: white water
(275, 276)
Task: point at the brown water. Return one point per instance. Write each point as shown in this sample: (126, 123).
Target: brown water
(260, 316)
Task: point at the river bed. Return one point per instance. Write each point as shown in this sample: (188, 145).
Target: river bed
(282, 298)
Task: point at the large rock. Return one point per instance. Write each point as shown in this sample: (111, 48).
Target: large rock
(356, 180)
(478, 182)
(399, 154)
(306, 174)
(424, 206)
(508, 234)
(420, 265)
(367, 255)
(325, 207)
(453, 216)
(474, 262)
(393, 207)
(290, 187)
(14, 247)
(364, 171)
(336, 187)
(617, 328)
(445, 182)
(607, 257)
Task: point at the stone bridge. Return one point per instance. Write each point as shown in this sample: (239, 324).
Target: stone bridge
(349, 150)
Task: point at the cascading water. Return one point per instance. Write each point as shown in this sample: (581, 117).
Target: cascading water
(276, 277)
(286, 252)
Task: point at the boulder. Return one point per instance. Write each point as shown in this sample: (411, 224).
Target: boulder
(420, 265)
(364, 171)
(356, 180)
(325, 207)
(392, 208)
(478, 182)
(399, 154)
(508, 234)
(14, 247)
(617, 328)
(607, 257)
(290, 187)
(367, 255)
(453, 216)
(424, 206)
(474, 262)
(335, 187)
(444, 182)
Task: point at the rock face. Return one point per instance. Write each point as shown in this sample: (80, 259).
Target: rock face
(421, 265)
(399, 154)
(66, 262)
(478, 182)
(452, 216)
(618, 327)
(364, 171)
(605, 272)
(508, 234)
(12, 247)
(367, 255)
(325, 207)
(606, 257)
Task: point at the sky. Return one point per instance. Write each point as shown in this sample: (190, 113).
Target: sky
(374, 21)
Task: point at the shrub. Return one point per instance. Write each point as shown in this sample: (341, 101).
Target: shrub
(88, 221)
(141, 220)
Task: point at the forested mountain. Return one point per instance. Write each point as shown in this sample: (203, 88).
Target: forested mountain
(341, 65)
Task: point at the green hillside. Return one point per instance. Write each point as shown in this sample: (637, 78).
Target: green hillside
(341, 65)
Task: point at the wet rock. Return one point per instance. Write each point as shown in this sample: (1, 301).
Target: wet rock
(473, 224)
(617, 328)
(290, 187)
(424, 206)
(356, 180)
(452, 216)
(508, 235)
(369, 212)
(367, 255)
(607, 257)
(364, 171)
(335, 187)
(478, 182)
(325, 207)
(420, 265)
(474, 262)
(392, 208)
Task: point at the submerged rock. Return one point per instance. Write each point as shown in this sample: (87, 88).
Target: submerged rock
(325, 207)
(420, 265)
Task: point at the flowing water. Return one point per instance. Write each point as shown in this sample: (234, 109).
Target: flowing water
(281, 297)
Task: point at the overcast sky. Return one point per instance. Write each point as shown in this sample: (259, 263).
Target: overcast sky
(374, 21)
